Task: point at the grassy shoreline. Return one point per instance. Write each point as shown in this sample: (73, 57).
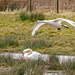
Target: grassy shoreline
(11, 66)
(54, 41)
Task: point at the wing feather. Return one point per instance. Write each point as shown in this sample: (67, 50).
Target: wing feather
(68, 21)
(58, 20)
(36, 26)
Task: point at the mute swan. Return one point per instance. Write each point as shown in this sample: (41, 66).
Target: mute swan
(33, 55)
(56, 23)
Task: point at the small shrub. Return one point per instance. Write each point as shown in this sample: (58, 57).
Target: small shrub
(2, 43)
(24, 16)
(53, 58)
(36, 43)
(54, 63)
(11, 41)
(37, 16)
(8, 41)
(22, 66)
(32, 17)
(29, 68)
(69, 64)
(7, 60)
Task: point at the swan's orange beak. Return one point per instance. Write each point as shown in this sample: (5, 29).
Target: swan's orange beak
(23, 53)
(35, 21)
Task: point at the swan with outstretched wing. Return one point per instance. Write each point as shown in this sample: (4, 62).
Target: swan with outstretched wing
(56, 23)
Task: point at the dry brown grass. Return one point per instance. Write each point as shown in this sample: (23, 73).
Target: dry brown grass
(42, 5)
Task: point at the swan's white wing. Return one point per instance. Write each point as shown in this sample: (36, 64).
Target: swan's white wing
(69, 21)
(59, 20)
(36, 26)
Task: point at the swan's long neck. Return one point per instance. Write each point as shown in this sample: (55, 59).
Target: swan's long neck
(29, 51)
(44, 21)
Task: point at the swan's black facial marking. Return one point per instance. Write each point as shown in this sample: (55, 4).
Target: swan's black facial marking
(65, 26)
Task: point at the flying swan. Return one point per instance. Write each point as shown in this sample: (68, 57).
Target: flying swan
(56, 23)
(33, 55)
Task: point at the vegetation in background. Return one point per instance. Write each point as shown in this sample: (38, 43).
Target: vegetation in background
(8, 41)
(32, 16)
(7, 61)
(57, 6)
(36, 43)
(12, 6)
(54, 41)
(36, 67)
(15, 6)
(4, 5)
(30, 5)
(69, 66)
(54, 63)
(24, 16)
(37, 16)
(28, 67)
(22, 66)
(41, 6)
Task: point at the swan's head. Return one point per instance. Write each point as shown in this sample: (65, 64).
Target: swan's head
(65, 26)
(29, 51)
(36, 21)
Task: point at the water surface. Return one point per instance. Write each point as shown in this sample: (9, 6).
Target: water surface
(19, 55)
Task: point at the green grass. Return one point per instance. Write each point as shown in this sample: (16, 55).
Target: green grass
(46, 40)
(22, 66)
(8, 41)
(24, 16)
(35, 67)
(31, 16)
(69, 66)
(7, 61)
(29, 67)
(36, 43)
(54, 63)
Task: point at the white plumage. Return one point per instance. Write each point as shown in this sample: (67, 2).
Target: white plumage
(33, 55)
(56, 23)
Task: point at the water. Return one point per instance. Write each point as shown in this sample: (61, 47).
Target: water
(53, 72)
(19, 55)
(14, 55)
(65, 58)
(60, 57)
